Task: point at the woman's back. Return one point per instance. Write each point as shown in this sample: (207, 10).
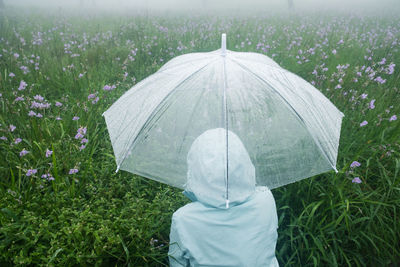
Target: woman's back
(230, 222)
(243, 235)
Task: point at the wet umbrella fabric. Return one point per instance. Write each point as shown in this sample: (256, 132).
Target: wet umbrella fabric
(289, 128)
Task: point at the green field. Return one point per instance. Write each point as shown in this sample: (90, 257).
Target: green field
(62, 203)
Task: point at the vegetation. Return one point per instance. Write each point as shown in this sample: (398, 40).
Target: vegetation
(63, 204)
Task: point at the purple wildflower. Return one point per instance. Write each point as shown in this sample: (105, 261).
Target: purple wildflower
(22, 85)
(334, 51)
(80, 133)
(23, 152)
(383, 61)
(363, 123)
(390, 69)
(3, 138)
(17, 140)
(31, 113)
(95, 100)
(12, 128)
(48, 153)
(355, 164)
(58, 104)
(72, 171)
(393, 118)
(11, 75)
(82, 147)
(16, 55)
(84, 141)
(38, 97)
(372, 104)
(58, 118)
(31, 172)
(380, 80)
(39, 115)
(356, 180)
(91, 96)
(364, 96)
(19, 98)
(75, 118)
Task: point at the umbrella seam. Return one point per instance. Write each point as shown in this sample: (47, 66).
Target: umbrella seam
(158, 107)
(300, 117)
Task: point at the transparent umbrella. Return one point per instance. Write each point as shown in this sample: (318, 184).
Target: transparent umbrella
(289, 128)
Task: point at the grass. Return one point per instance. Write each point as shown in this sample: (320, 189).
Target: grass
(99, 217)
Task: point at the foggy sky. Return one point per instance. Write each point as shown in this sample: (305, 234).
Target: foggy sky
(215, 5)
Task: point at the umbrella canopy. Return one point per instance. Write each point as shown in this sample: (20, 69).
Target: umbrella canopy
(289, 128)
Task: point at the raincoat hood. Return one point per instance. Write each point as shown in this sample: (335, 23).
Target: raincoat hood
(207, 164)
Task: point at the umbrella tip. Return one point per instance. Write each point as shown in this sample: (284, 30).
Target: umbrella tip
(223, 44)
(227, 203)
(117, 169)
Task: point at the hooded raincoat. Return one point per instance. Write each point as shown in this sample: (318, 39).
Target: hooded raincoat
(205, 232)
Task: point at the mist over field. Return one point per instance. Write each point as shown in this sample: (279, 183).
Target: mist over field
(201, 6)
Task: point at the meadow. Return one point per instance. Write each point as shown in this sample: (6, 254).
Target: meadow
(62, 204)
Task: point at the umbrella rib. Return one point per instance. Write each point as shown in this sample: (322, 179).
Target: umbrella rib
(291, 107)
(158, 107)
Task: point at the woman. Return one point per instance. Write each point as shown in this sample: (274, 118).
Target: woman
(212, 231)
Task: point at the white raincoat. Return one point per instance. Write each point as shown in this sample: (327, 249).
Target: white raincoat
(205, 232)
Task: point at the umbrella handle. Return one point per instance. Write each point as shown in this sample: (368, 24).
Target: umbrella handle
(223, 44)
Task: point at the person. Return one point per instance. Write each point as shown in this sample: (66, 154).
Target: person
(208, 231)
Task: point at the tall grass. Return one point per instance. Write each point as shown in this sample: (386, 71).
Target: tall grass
(83, 213)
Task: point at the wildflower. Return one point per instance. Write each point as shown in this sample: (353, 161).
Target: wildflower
(84, 141)
(12, 128)
(80, 75)
(390, 69)
(50, 178)
(334, 51)
(19, 98)
(48, 153)
(38, 97)
(39, 115)
(95, 100)
(23, 152)
(75, 118)
(108, 87)
(72, 171)
(363, 123)
(338, 86)
(356, 180)
(91, 96)
(58, 118)
(364, 96)
(393, 118)
(22, 85)
(16, 55)
(31, 172)
(80, 133)
(372, 104)
(31, 113)
(380, 80)
(383, 61)
(82, 147)
(3, 138)
(11, 75)
(355, 164)
(44, 176)
(58, 104)
(17, 140)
